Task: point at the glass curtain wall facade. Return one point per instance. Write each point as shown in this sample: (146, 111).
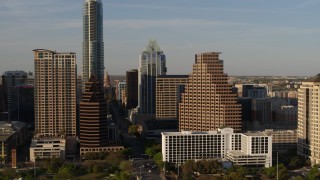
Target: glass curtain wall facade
(152, 63)
(93, 46)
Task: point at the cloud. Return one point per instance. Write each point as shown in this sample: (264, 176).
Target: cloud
(35, 8)
(196, 7)
(308, 3)
(146, 23)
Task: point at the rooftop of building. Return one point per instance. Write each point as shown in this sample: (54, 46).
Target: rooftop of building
(152, 46)
(237, 153)
(218, 131)
(15, 73)
(47, 140)
(92, 1)
(254, 134)
(161, 124)
(7, 129)
(241, 154)
(51, 51)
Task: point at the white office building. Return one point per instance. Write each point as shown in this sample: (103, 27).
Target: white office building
(223, 144)
(47, 148)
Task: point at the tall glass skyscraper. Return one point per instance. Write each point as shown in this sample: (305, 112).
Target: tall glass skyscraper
(93, 46)
(152, 63)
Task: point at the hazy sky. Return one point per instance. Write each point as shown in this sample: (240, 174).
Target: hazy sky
(256, 37)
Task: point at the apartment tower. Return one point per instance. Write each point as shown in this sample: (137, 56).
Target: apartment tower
(93, 46)
(55, 92)
(152, 63)
(207, 102)
(309, 119)
(93, 115)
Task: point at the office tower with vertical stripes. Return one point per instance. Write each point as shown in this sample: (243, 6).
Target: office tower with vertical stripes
(152, 63)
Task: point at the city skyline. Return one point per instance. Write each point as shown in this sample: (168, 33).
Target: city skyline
(274, 38)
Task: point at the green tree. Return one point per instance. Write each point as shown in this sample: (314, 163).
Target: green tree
(96, 168)
(313, 173)
(233, 176)
(151, 151)
(296, 162)
(133, 130)
(283, 172)
(158, 160)
(298, 178)
(55, 164)
(270, 172)
(126, 152)
(114, 158)
(213, 166)
(126, 166)
(90, 156)
(122, 176)
(187, 170)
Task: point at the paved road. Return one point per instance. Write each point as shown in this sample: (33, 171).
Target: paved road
(136, 144)
(145, 168)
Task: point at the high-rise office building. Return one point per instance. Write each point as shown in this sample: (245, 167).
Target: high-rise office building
(132, 88)
(1, 99)
(246, 113)
(167, 95)
(22, 104)
(93, 46)
(309, 119)
(55, 92)
(261, 111)
(120, 91)
(208, 103)
(152, 63)
(93, 116)
(10, 79)
(286, 116)
(107, 80)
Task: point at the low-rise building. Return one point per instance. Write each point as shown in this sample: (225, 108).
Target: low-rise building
(11, 136)
(84, 150)
(152, 129)
(282, 139)
(47, 148)
(239, 148)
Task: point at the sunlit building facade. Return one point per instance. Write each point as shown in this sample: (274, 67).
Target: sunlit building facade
(208, 102)
(309, 119)
(55, 92)
(223, 144)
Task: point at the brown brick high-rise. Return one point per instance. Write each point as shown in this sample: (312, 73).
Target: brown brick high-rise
(208, 102)
(93, 115)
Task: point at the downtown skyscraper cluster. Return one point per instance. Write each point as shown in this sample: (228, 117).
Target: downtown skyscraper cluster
(56, 93)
